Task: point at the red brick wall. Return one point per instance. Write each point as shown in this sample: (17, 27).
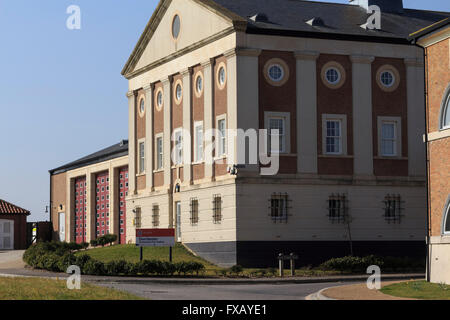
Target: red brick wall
(280, 99)
(335, 101)
(390, 104)
(158, 127)
(438, 78)
(20, 230)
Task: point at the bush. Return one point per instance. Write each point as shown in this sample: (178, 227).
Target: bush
(85, 245)
(94, 267)
(115, 268)
(58, 256)
(237, 269)
(94, 242)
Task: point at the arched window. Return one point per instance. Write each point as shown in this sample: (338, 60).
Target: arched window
(445, 111)
(446, 218)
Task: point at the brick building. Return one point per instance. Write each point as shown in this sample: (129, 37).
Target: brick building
(347, 104)
(436, 43)
(13, 226)
(87, 196)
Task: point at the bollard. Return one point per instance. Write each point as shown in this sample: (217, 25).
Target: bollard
(281, 264)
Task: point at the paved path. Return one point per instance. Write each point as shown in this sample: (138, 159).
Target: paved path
(359, 292)
(11, 259)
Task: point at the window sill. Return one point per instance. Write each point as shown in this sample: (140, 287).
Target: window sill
(390, 158)
(341, 156)
(158, 170)
(220, 157)
(198, 162)
(177, 166)
(141, 174)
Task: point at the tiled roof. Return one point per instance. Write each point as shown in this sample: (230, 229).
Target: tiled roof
(290, 17)
(9, 208)
(112, 152)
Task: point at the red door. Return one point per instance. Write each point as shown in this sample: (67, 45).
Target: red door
(123, 192)
(80, 210)
(102, 204)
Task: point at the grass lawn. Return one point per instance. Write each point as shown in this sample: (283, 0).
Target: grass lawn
(130, 253)
(418, 290)
(47, 289)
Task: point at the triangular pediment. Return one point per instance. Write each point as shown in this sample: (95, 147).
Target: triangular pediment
(199, 20)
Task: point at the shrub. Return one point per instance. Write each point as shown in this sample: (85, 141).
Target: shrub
(110, 238)
(93, 267)
(272, 271)
(85, 245)
(94, 242)
(82, 260)
(117, 267)
(237, 269)
(66, 261)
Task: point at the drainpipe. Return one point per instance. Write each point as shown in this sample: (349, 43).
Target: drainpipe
(428, 251)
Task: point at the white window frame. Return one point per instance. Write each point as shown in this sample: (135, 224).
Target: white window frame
(445, 109)
(141, 158)
(221, 140)
(178, 147)
(398, 136)
(286, 117)
(157, 153)
(199, 158)
(445, 216)
(342, 118)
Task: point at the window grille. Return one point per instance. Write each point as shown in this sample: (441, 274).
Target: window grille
(337, 208)
(155, 215)
(217, 208)
(279, 207)
(392, 208)
(137, 219)
(194, 211)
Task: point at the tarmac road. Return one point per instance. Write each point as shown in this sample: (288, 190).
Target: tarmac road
(223, 292)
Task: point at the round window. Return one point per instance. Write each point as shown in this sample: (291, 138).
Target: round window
(333, 75)
(178, 92)
(222, 76)
(142, 106)
(199, 84)
(159, 99)
(387, 78)
(176, 24)
(276, 73)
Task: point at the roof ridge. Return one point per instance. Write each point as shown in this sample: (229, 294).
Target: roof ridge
(15, 208)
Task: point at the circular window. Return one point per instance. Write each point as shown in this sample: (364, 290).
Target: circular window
(333, 75)
(176, 25)
(198, 84)
(142, 107)
(388, 78)
(159, 99)
(178, 91)
(221, 75)
(276, 72)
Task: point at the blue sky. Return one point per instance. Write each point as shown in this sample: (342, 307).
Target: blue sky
(62, 95)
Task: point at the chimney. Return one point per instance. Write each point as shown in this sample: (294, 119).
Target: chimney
(391, 6)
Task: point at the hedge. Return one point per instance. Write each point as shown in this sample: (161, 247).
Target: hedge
(58, 257)
(360, 264)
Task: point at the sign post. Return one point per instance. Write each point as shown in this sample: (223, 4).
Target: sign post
(155, 238)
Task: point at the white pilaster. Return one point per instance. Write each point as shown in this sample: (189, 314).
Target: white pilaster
(149, 137)
(306, 111)
(167, 131)
(208, 71)
(131, 143)
(362, 115)
(415, 84)
(187, 119)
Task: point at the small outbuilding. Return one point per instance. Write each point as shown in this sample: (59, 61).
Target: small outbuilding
(13, 226)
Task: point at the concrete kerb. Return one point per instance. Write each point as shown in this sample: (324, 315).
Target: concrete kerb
(319, 295)
(203, 281)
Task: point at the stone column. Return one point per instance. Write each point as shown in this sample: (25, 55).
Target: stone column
(362, 115)
(306, 111)
(131, 143)
(415, 84)
(149, 137)
(167, 131)
(209, 78)
(187, 124)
